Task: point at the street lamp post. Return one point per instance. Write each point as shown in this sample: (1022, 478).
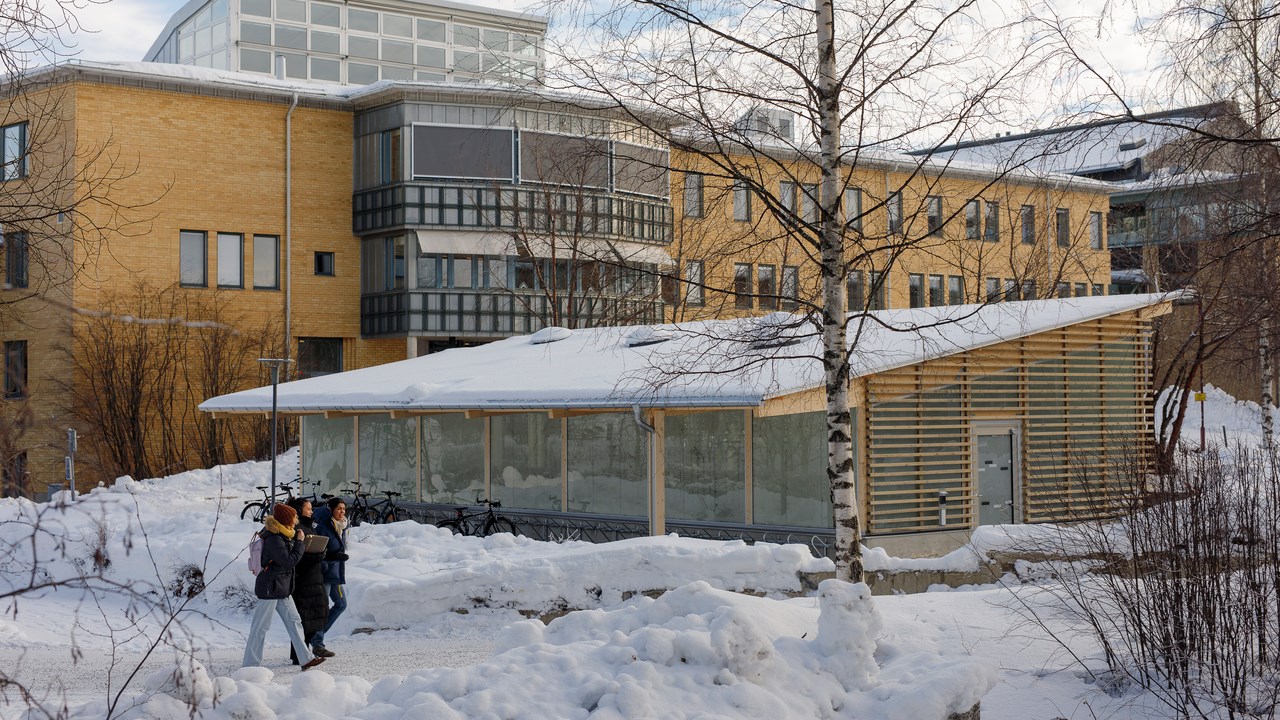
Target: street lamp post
(274, 365)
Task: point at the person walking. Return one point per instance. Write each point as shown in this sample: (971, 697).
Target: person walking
(331, 521)
(282, 548)
(309, 594)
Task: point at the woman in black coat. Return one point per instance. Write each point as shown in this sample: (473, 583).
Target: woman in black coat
(309, 594)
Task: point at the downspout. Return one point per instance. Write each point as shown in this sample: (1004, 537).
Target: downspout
(653, 454)
(288, 216)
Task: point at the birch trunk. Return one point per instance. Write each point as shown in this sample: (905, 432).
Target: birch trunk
(835, 321)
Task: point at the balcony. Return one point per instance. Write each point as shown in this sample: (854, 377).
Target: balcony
(494, 313)
(520, 208)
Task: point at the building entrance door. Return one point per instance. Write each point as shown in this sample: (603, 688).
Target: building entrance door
(996, 454)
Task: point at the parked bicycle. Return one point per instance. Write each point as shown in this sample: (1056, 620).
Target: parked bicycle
(480, 523)
(360, 510)
(258, 509)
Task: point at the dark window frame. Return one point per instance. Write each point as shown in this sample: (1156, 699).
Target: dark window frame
(933, 213)
(1027, 218)
(767, 290)
(18, 164)
(1062, 227)
(218, 237)
(204, 258)
(275, 260)
(16, 363)
(305, 355)
(694, 195)
(743, 275)
(17, 260)
(320, 259)
(915, 290)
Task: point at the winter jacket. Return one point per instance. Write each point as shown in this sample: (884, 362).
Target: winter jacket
(280, 556)
(335, 570)
(309, 594)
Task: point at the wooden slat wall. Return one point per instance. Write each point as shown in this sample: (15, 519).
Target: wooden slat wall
(1081, 397)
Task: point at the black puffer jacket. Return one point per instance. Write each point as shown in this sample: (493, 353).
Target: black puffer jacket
(280, 556)
(308, 587)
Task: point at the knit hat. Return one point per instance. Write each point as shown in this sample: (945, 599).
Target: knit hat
(284, 515)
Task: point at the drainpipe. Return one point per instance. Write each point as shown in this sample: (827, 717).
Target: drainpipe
(288, 215)
(653, 452)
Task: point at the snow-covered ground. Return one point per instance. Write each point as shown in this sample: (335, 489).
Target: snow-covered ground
(437, 626)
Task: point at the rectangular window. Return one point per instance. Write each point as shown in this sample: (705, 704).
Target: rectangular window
(993, 290)
(767, 287)
(809, 203)
(991, 233)
(13, 151)
(893, 208)
(1095, 230)
(1010, 289)
(693, 289)
(608, 462)
(15, 480)
(15, 368)
(324, 263)
(742, 285)
(787, 196)
(525, 452)
(937, 295)
(879, 290)
(853, 208)
(706, 466)
(789, 471)
(462, 271)
(452, 457)
(15, 256)
(1063, 227)
(319, 356)
(1028, 289)
(933, 212)
(972, 220)
(741, 201)
(266, 262)
(1028, 225)
(955, 290)
(693, 195)
(856, 290)
(790, 287)
(915, 288)
(389, 170)
(1082, 290)
(1098, 290)
(230, 260)
(1064, 290)
(193, 262)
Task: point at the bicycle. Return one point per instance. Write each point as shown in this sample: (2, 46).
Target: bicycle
(258, 509)
(481, 523)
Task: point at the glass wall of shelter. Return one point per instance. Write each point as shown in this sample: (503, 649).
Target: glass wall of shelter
(722, 466)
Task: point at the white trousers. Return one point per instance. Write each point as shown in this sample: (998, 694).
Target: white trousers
(288, 613)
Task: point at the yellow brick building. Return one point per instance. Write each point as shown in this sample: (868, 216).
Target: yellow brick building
(350, 227)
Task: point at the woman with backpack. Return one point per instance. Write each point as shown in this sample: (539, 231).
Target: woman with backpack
(309, 594)
(282, 548)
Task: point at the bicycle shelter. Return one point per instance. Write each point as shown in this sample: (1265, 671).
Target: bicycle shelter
(963, 415)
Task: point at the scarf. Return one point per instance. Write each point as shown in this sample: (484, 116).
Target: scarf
(274, 526)
(339, 526)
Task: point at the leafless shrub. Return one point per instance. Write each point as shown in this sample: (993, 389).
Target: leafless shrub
(187, 582)
(238, 598)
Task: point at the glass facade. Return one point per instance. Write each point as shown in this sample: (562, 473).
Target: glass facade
(389, 455)
(608, 465)
(706, 466)
(452, 458)
(328, 452)
(525, 452)
(789, 483)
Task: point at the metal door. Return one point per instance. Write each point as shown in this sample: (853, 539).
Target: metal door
(996, 474)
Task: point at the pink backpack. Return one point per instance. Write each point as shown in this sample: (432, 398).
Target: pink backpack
(255, 554)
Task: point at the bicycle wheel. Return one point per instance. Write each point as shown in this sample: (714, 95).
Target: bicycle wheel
(499, 525)
(389, 517)
(357, 517)
(254, 511)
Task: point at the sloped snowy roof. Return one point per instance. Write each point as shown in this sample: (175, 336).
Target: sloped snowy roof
(720, 363)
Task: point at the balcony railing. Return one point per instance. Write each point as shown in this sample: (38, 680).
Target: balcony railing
(577, 212)
(495, 313)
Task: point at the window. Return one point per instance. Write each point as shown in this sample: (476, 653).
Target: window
(790, 287)
(693, 195)
(15, 475)
(856, 290)
(266, 262)
(324, 263)
(1010, 289)
(787, 196)
(1095, 230)
(809, 203)
(15, 257)
(693, 276)
(853, 208)
(1064, 290)
(1028, 289)
(993, 290)
(879, 290)
(767, 286)
(319, 356)
(893, 207)
(992, 229)
(389, 170)
(741, 201)
(972, 220)
(1028, 225)
(742, 285)
(1098, 290)
(937, 296)
(193, 265)
(230, 260)
(933, 212)
(955, 290)
(916, 290)
(13, 151)
(1063, 227)
(1082, 290)
(15, 369)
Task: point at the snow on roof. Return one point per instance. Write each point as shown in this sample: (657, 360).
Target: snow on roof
(717, 363)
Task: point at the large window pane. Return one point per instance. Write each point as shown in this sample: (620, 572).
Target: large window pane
(328, 452)
(192, 265)
(452, 458)
(255, 60)
(327, 15)
(388, 455)
(230, 260)
(319, 356)
(525, 461)
(266, 262)
(362, 20)
(789, 483)
(252, 32)
(462, 152)
(608, 465)
(705, 466)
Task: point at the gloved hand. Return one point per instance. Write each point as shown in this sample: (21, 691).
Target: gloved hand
(336, 556)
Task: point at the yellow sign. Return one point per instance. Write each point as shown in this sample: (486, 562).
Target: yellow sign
(1200, 397)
